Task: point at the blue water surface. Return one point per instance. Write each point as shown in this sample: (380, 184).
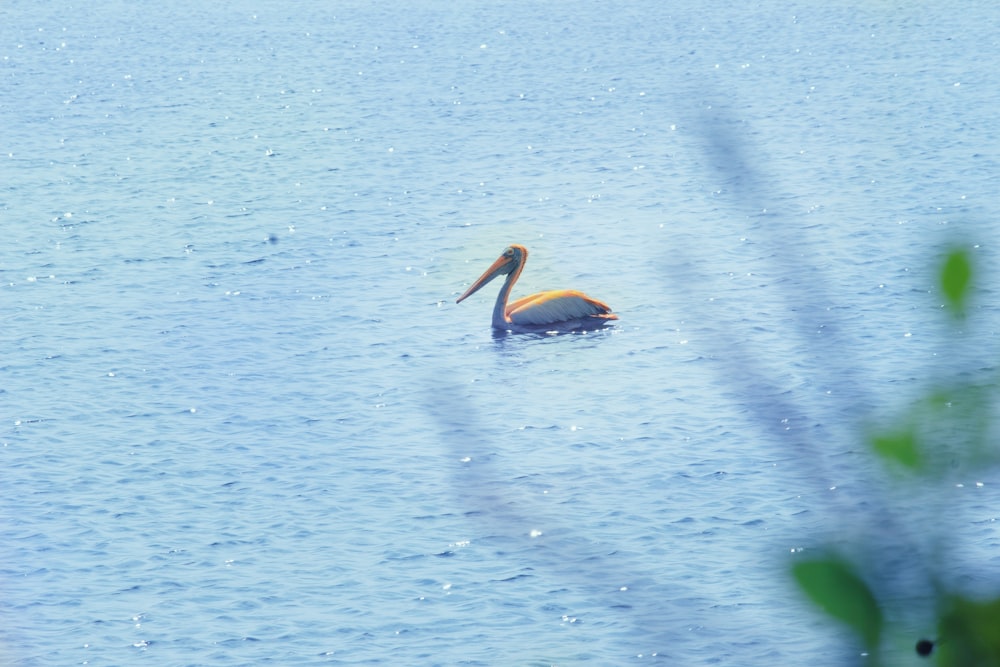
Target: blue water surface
(243, 422)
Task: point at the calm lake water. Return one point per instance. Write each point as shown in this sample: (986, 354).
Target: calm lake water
(243, 422)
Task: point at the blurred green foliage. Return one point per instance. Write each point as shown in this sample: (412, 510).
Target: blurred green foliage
(899, 445)
(956, 277)
(947, 428)
(832, 584)
(969, 632)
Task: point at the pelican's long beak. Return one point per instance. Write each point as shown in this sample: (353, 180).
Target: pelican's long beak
(501, 267)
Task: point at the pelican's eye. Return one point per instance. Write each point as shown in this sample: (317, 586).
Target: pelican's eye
(509, 252)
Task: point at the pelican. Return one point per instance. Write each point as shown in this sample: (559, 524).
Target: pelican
(564, 308)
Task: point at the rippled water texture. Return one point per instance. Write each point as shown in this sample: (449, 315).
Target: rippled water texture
(242, 420)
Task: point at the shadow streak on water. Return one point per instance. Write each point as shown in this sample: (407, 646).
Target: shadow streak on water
(564, 559)
(891, 537)
(806, 298)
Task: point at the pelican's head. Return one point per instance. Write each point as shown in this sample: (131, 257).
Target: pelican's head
(512, 258)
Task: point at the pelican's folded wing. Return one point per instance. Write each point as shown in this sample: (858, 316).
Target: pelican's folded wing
(557, 306)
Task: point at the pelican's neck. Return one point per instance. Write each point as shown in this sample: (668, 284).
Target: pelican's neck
(500, 319)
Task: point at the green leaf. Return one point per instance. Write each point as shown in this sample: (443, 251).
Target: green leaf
(900, 446)
(832, 584)
(969, 633)
(956, 276)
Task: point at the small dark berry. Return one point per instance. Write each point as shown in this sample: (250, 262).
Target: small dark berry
(924, 647)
